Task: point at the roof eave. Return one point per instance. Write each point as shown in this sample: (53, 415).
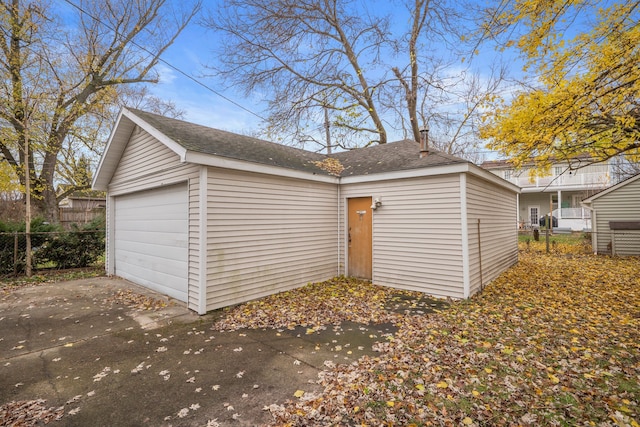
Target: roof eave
(247, 166)
(463, 167)
(491, 177)
(588, 200)
(116, 143)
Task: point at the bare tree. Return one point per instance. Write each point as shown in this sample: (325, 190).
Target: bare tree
(61, 80)
(310, 54)
(373, 72)
(459, 115)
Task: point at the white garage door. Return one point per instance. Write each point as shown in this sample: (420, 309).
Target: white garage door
(151, 239)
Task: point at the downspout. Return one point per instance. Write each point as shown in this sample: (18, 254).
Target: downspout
(517, 214)
(464, 231)
(338, 227)
(594, 234)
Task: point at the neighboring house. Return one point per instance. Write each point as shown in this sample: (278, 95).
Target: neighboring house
(85, 203)
(560, 192)
(615, 216)
(214, 218)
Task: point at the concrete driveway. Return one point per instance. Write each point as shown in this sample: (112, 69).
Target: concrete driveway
(88, 353)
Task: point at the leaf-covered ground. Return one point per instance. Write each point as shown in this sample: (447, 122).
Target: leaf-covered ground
(315, 305)
(553, 341)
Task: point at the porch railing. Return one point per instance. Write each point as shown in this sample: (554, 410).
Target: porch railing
(577, 179)
(572, 213)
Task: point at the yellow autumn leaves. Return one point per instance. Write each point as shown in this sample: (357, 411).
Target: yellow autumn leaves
(331, 165)
(554, 340)
(589, 84)
(318, 304)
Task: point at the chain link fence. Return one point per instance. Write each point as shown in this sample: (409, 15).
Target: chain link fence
(50, 250)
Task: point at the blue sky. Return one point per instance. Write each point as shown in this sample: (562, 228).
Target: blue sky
(203, 104)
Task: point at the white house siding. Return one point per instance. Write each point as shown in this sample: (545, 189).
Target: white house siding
(417, 238)
(145, 164)
(621, 204)
(541, 200)
(267, 234)
(496, 209)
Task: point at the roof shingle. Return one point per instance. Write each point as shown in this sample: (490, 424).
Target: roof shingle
(395, 156)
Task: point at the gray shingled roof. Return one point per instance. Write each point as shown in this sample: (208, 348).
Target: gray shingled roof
(202, 139)
(396, 156)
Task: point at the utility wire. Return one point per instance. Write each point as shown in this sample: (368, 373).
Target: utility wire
(173, 67)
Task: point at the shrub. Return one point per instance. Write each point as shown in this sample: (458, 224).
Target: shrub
(40, 230)
(79, 247)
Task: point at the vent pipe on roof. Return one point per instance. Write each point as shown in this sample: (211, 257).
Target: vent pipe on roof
(424, 141)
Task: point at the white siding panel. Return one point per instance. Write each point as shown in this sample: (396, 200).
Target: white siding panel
(496, 208)
(267, 234)
(144, 156)
(417, 242)
(151, 239)
(621, 204)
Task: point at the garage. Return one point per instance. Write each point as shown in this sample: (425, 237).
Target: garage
(151, 236)
(216, 219)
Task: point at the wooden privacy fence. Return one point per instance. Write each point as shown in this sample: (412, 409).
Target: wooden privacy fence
(70, 216)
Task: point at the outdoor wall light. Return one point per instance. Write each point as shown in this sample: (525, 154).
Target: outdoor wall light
(376, 204)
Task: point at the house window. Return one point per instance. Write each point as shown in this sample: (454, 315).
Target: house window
(557, 170)
(507, 174)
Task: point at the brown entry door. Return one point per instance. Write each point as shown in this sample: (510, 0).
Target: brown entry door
(360, 216)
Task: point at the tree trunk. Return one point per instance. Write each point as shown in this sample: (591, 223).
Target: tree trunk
(47, 206)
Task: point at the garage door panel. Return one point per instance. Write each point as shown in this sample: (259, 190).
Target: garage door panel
(139, 267)
(161, 282)
(160, 239)
(149, 251)
(166, 212)
(151, 239)
(165, 226)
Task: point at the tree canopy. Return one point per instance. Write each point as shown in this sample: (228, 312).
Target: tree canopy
(64, 71)
(585, 98)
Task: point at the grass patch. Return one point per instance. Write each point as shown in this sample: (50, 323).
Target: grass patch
(577, 243)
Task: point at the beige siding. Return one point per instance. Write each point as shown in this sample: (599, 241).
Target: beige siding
(417, 239)
(622, 204)
(495, 207)
(267, 234)
(144, 156)
(146, 163)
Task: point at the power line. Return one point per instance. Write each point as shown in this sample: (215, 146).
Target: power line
(173, 67)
